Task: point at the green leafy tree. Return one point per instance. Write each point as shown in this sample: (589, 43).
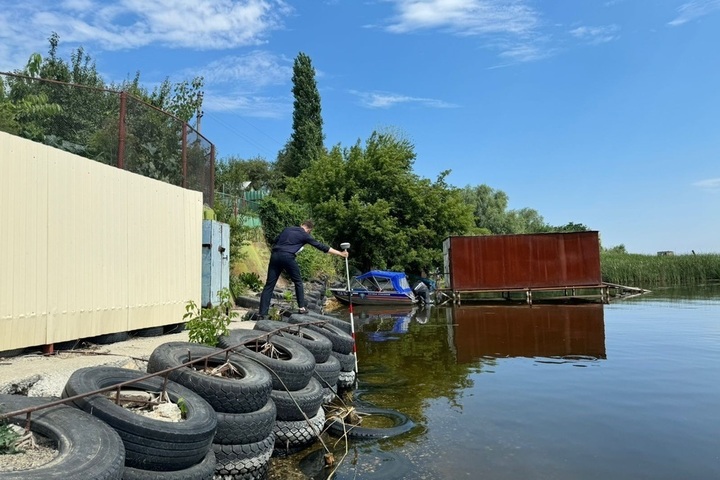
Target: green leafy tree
(368, 195)
(571, 227)
(279, 211)
(489, 208)
(233, 172)
(82, 108)
(491, 214)
(306, 143)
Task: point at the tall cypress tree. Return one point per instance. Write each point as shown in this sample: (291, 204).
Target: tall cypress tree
(306, 142)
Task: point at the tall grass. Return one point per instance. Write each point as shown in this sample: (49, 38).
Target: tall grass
(647, 271)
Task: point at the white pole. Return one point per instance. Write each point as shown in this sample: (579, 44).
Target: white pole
(346, 246)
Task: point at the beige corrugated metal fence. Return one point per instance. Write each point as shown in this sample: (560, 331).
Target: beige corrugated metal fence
(89, 249)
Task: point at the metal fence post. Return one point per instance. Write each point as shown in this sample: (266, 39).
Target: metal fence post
(184, 154)
(121, 130)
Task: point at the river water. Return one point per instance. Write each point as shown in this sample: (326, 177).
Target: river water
(629, 390)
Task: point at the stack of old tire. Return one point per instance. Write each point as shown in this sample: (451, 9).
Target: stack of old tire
(154, 449)
(339, 334)
(243, 442)
(327, 367)
(297, 395)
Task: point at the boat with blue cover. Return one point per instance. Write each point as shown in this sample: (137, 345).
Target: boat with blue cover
(377, 287)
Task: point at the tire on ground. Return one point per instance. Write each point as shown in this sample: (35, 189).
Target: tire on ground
(109, 338)
(318, 344)
(347, 361)
(148, 332)
(251, 427)
(327, 373)
(342, 341)
(401, 424)
(247, 393)
(244, 460)
(291, 366)
(204, 470)
(346, 380)
(342, 324)
(87, 447)
(149, 444)
(298, 404)
(292, 434)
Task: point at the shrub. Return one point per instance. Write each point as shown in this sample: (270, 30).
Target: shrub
(205, 325)
(251, 280)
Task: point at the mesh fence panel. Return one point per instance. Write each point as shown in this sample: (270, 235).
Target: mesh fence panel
(86, 121)
(199, 164)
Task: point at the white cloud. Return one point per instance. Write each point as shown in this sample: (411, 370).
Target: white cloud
(467, 17)
(694, 9)
(511, 27)
(596, 35)
(234, 84)
(248, 105)
(387, 100)
(526, 52)
(710, 184)
(254, 70)
(127, 24)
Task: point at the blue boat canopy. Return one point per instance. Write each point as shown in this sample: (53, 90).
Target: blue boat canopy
(398, 279)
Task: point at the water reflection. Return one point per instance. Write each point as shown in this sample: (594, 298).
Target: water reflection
(493, 331)
(495, 394)
(384, 323)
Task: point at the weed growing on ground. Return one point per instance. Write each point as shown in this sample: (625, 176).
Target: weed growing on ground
(205, 325)
(8, 439)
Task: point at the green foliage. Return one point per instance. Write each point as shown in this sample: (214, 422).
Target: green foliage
(8, 439)
(183, 407)
(651, 271)
(239, 233)
(231, 173)
(572, 227)
(315, 264)
(237, 287)
(83, 118)
(251, 280)
(277, 212)
(617, 249)
(369, 196)
(306, 142)
(491, 214)
(205, 325)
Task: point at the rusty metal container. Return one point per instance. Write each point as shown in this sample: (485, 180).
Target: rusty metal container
(528, 261)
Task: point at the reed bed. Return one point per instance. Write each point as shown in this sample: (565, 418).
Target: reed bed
(648, 271)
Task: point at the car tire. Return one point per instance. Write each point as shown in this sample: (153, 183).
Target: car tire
(149, 444)
(291, 371)
(87, 447)
(248, 393)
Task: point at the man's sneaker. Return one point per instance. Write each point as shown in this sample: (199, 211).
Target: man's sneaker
(302, 310)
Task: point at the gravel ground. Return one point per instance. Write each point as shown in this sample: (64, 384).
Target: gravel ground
(41, 452)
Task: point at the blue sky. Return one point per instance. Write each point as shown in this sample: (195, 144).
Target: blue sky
(605, 112)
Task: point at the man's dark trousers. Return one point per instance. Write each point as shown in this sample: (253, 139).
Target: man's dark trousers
(279, 262)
